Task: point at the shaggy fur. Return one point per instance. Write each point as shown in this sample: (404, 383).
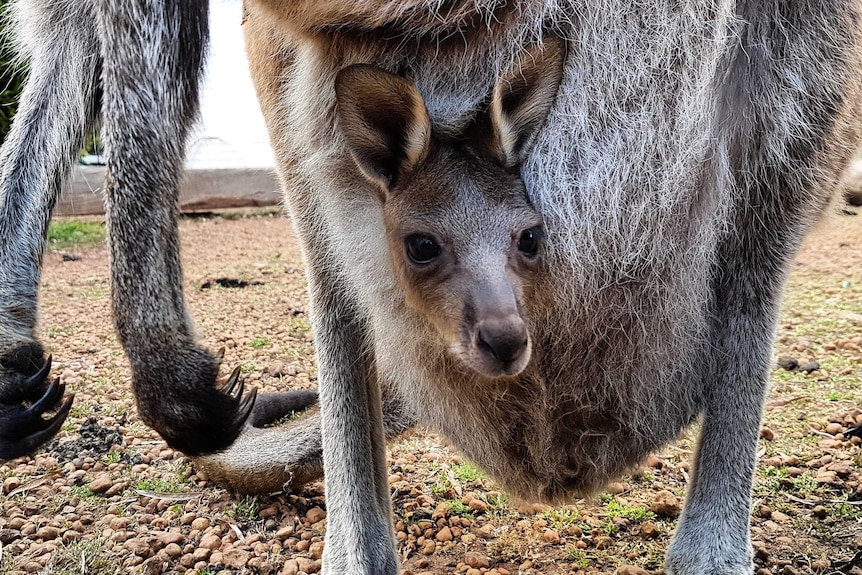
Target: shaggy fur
(685, 153)
(688, 147)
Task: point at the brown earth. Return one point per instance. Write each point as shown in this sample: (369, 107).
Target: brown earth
(108, 496)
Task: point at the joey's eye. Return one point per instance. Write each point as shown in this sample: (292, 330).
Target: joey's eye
(529, 241)
(421, 249)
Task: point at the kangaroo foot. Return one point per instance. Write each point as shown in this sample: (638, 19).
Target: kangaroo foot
(178, 396)
(25, 396)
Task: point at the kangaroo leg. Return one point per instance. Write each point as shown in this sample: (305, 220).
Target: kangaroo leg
(784, 170)
(359, 535)
(153, 52)
(57, 108)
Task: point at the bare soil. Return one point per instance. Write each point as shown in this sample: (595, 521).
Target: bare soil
(108, 496)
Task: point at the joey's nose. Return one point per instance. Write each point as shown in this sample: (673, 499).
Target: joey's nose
(504, 339)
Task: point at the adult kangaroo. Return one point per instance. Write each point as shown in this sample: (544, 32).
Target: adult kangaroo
(687, 149)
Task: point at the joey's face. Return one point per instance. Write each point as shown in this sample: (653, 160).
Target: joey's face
(466, 245)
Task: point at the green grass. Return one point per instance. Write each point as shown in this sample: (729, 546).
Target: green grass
(461, 509)
(630, 512)
(259, 342)
(175, 484)
(246, 509)
(561, 517)
(65, 235)
(467, 472)
(579, 557)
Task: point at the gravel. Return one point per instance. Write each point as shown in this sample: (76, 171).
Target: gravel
(108, 496)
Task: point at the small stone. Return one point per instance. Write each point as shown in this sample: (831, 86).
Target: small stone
(808, 368)
(820, 565)
(834, 428)
(604, 542)
(315, 514)
(445, 534)
(166, 538)
(211, 542)
(315, 550)
(48, 533)
(291, 567)
(820, 512)
(101, 483)
(631, 570)
(173, 551)
(200, 524)
(10, 484)
(788, 363)
(306, 565)
(476, 560)
(428, 548)
(767, 434)
(236, 558)
(485, 531)
(649, 530)
(551, 536)
(7, 536)
(285, 532)
(665, 504)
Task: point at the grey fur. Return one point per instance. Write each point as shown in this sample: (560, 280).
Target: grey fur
(145, 57)
(688, 149)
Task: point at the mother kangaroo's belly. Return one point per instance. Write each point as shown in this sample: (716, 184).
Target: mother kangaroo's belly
(550, 439)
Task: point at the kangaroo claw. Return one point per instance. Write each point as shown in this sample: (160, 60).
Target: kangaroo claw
(230, 386)
(47, 401)
(38, 377)
(245, 408)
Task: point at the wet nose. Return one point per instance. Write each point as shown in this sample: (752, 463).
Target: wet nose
(505, 339)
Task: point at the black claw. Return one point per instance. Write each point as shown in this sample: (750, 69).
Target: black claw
(40, 375)
(245, 407)
(54, 392)
(228, 387)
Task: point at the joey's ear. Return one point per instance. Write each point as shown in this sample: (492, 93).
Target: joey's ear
(521, 101)
(383, 120)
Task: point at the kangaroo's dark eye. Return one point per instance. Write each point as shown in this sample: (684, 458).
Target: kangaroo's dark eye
(529, 241)
(421, 249)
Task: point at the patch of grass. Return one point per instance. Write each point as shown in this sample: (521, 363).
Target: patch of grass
(845, 511)
(578, 557)
(109, 458)
(249, 367)
(630, 512)
(461, 509)
(298, 327)
(561, 517)
(65, 235)
(174, 484)
(259, 342)
(85, 556)
(467, 472)
(246, 509)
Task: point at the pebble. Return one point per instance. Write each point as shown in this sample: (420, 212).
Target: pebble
(551, 536)
(236, 558)
(476, 560)
(788, 363)
(101, 483)
(631, 570)
(665, 504)
(211, 542)
(649, 530)
(809, 367)
(834, 428)
(315, 514)
(445, 534)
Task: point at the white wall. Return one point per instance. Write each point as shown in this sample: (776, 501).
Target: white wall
(231, 133)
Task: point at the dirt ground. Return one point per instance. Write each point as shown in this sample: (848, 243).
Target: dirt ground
(108, 496)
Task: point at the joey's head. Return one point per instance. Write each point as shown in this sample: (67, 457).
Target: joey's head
(464, 240)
